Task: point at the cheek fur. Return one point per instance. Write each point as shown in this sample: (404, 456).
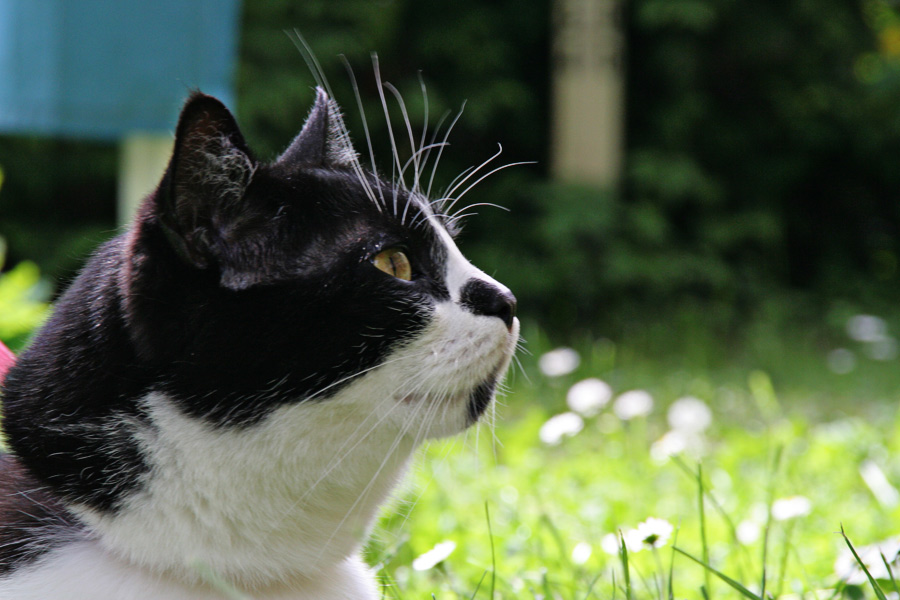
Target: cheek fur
(435, 375)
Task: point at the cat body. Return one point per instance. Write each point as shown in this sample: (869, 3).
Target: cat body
(227, 393)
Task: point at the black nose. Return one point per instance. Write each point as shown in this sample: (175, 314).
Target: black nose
(482, 298)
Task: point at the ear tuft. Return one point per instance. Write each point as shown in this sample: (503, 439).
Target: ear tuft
(205, 182)
(323, 141)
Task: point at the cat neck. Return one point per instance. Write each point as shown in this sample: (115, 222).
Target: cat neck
(279, 500)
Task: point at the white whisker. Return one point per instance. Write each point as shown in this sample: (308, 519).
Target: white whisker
(365, 122)
(424, 129)
(387, 118)
(474, 171)
(412, 145)
(477, 204)
(434, 135)
(318, 73)
(414, 158)
(482, 178)
(440, 152)
(315, 68)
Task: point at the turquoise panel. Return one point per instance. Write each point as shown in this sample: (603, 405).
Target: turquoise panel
(102, 68)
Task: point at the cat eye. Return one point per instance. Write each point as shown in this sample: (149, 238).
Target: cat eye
(393, 262)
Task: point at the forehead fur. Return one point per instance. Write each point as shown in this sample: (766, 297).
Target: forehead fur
(300, 221)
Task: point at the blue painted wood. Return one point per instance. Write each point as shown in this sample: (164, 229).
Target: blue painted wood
(102, 68)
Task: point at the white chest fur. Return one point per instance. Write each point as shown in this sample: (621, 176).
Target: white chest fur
(287, 498)
(85, 572)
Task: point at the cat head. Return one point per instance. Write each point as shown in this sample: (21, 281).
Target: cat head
(257, 285)
(242, 376)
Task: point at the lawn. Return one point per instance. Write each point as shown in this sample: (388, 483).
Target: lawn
(787, 438)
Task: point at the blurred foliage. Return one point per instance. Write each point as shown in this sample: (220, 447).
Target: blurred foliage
(58, 201)
(761, 142)
(23, 301)
(23, 298)
(494, 56)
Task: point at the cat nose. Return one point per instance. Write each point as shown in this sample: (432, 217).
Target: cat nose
(482, 298)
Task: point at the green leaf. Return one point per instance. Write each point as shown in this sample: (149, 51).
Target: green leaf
(734, 584)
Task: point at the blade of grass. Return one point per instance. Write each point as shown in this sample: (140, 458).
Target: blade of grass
(623, 557)
(659, 578)
(703, 540)
(545, 581)
(487, 514)
(838, 591)
(648, 584)
(390, 584)
(478, 587)
(709, 569)
(776, 463)
(875, 587)
(783, 563)
(890, 573)
(732, 528)
(671, 593)
(388, 554)
(557, 537)
(806, 580)
(590, 589)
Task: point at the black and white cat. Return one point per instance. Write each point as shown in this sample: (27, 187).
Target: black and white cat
(230, 389)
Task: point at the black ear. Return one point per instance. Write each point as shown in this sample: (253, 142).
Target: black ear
(323, 141)
(205, 182)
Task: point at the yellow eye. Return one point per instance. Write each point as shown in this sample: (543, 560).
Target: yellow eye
(393, 262)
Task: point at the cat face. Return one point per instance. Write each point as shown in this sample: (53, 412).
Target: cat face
(286, 282)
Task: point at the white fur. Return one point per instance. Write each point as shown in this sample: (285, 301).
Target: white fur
(85, 572)
(281, 508)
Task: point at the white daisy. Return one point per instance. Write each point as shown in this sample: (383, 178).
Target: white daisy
(588, 396)
(561, 361)
(636, 403)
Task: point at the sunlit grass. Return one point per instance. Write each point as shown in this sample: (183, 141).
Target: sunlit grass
(778, 475)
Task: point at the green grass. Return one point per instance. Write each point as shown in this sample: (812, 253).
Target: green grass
(794, 430)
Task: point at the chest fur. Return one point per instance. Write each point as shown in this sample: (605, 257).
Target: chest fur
(282, 499)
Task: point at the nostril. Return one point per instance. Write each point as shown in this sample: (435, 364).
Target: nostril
(506, 308)
(482, 298)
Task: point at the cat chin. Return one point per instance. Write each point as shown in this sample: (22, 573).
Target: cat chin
(482, 348)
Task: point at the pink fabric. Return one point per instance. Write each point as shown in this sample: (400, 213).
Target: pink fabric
(7, 358)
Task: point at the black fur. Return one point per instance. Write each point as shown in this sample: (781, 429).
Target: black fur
(213, 297)
(481, 399)
(33, 521)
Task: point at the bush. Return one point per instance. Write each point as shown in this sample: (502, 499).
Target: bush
(23, 303)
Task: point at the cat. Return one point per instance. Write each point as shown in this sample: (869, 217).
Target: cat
(229, 390)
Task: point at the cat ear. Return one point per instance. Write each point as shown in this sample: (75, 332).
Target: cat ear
(323, 141)
(205, 182)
